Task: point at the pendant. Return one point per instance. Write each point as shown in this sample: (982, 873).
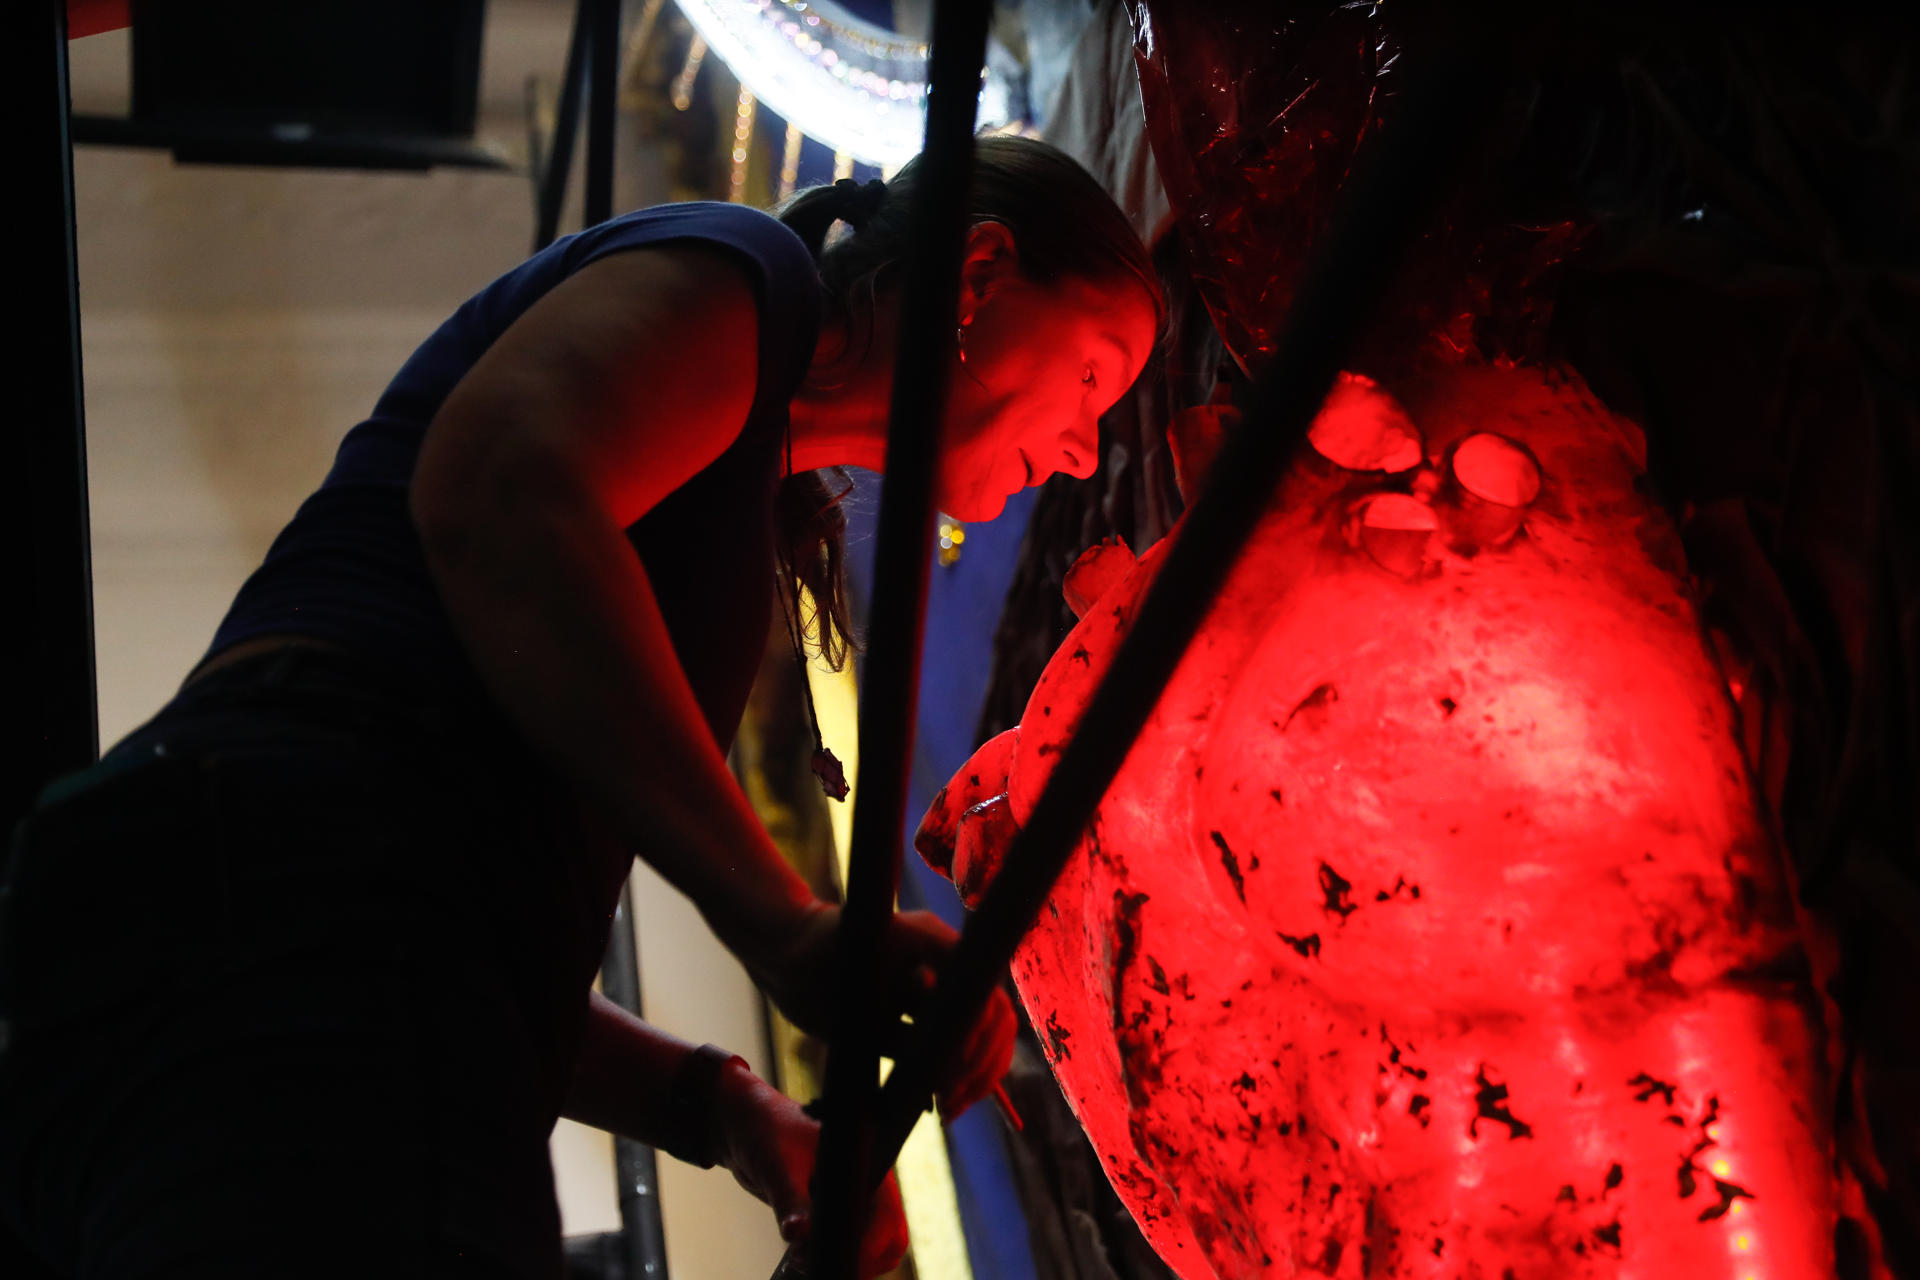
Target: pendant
(832, 775)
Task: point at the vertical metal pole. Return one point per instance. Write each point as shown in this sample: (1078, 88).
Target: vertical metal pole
(51, 716)
(890, 688)
(566, 122)
(634, 1165)
(603, 98)
(1396, 181)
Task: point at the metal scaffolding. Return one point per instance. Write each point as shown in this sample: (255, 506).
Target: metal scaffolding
(865, 1125)
(51, 714)
(1384, 205)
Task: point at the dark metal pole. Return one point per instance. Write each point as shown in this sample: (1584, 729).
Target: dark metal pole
(635, 1164)
(603, 99)
(50, 715)
(1385, 205)
(635, 1167)
(890, 686)
(558, 161)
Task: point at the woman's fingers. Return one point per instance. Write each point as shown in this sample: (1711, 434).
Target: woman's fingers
(918, 943)
(983, 1060)
(919, 939)
(771, 1144)
(886, 1240)
(796, 969)
(885, 1243)
(787, 1195)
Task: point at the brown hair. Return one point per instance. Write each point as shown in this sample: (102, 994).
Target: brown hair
(1064, 225)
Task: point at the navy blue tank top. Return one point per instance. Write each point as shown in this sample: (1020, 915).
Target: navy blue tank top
(349, 568)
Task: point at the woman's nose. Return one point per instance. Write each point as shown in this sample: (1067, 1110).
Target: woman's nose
(1080, 450)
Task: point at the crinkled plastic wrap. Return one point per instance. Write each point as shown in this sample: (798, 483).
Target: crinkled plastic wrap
(1253, 110)
(1734, 190)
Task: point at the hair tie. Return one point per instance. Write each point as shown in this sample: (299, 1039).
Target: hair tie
(859, 201)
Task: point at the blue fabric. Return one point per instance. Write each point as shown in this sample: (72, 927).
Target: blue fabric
(963, 608)
(349, 568)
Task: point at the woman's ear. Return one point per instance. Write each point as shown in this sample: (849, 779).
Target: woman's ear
(991, 260)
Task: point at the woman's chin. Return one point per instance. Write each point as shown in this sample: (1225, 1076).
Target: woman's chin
(977, 508)
(974, 504)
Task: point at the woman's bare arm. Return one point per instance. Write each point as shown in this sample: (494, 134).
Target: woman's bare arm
(608, 394)
(601, 400)
(622, 1085)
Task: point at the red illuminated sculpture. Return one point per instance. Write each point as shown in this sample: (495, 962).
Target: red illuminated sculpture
(1429, 929)
(1448, 919)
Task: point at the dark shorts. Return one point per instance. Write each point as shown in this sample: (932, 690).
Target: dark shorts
(291, 984)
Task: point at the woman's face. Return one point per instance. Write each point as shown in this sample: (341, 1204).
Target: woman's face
(1043, 362)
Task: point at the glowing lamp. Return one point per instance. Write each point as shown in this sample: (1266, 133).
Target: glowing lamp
(859, 88)
(1429, 930)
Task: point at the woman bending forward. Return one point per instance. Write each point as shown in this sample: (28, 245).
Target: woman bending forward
(298, 978)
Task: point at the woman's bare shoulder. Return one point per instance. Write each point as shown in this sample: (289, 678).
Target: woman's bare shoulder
(630, 375)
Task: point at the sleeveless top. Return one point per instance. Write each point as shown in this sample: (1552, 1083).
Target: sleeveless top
(349, 569)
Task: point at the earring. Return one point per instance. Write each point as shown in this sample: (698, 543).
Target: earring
(960, 338)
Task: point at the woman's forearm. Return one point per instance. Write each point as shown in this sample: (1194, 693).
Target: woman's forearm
(624, 1077)
(623, 1073)
(558, 616)
(625, 1084)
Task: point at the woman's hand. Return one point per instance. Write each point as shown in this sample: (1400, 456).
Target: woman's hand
(799, 977)
(768, 1144)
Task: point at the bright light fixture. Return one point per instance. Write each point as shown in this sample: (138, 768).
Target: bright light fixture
(857, 87)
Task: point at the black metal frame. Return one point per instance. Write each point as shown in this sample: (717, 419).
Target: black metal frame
(207, 143)
(167, 39)
(593, 55)
(53, 721)
(52, 716)
(865, 1125)
(554, 161)
(890, 683)
(196, 138)
(636, 1169)
(1384, 205)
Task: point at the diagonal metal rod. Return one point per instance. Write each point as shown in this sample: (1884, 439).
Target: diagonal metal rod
(603, 97)
(552, 178)
(597, 26)
(48, 709)
(1383, 208)
(890, 686)
(636, 1173)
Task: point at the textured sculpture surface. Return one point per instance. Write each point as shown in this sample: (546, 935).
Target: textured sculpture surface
(1429, 929)
(1249, 1005)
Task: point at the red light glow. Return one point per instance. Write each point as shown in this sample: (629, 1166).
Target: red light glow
(1429, 930)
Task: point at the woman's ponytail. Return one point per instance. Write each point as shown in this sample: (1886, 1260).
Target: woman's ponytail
(811, 533)
(809, 526)
(812, 213)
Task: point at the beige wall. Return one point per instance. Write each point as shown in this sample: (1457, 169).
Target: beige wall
(235, 323)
